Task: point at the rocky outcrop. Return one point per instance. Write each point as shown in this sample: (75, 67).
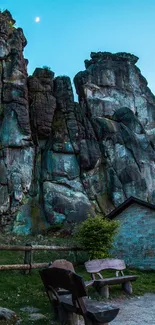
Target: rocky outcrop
(16, 146)
(42, 103)
(61, 161)
(64, 194)
(120, 108)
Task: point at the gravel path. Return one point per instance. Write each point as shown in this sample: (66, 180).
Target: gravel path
(135, 311)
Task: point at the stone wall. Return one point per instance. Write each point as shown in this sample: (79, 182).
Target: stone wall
(135, 241)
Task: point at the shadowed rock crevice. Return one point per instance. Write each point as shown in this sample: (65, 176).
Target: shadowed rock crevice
(60, 160)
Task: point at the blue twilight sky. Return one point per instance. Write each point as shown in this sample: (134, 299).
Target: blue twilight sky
(69, 30)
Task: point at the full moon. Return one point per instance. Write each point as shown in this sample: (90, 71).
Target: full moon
(37, 19)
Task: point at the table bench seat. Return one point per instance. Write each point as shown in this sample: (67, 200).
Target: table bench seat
(96, 310)
(116, 280)
(58, 281)
(102, 284)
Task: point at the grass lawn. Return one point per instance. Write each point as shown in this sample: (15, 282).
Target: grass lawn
(19, 290)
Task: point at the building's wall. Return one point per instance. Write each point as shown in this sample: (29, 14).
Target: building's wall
(135, 241)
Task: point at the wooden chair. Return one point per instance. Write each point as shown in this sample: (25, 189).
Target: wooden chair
(102, 284)
(64, 264)
(76, 302)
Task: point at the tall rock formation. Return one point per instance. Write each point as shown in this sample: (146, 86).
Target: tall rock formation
(61, 161)
(121, 110)
(16, 147)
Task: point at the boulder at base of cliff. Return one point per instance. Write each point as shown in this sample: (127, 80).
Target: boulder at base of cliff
(8, 316)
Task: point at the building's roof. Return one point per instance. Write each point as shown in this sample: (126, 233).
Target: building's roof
(126, 204)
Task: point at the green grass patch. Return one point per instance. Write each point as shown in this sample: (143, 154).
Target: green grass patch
(19, 290)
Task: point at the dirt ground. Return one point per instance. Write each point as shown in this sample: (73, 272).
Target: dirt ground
(135, 311)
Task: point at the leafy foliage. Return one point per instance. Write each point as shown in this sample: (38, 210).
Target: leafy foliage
(96, 235)
(47, 68)
(6, 13)
(11, 24)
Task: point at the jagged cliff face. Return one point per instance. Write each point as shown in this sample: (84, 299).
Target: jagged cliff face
(59, 160)
(16, 146)
(121, 109)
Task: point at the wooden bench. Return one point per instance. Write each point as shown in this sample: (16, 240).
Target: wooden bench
(75, 302)
(64, 264)
(102, 284)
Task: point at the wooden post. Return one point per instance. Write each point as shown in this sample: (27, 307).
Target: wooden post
(104, 291)
(28, 258)
(127, 287)
(73, 319)
(76, 257)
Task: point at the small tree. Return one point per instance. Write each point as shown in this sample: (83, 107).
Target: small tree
(45, 67)
(96, 235)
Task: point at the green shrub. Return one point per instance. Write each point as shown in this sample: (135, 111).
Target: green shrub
(96, 235)
(11, 24)
(45, 67)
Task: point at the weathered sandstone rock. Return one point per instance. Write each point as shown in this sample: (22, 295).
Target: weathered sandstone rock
(120, 108)
(16, 146)
(60, 160)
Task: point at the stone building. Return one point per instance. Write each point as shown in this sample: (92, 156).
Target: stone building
(135, 241)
